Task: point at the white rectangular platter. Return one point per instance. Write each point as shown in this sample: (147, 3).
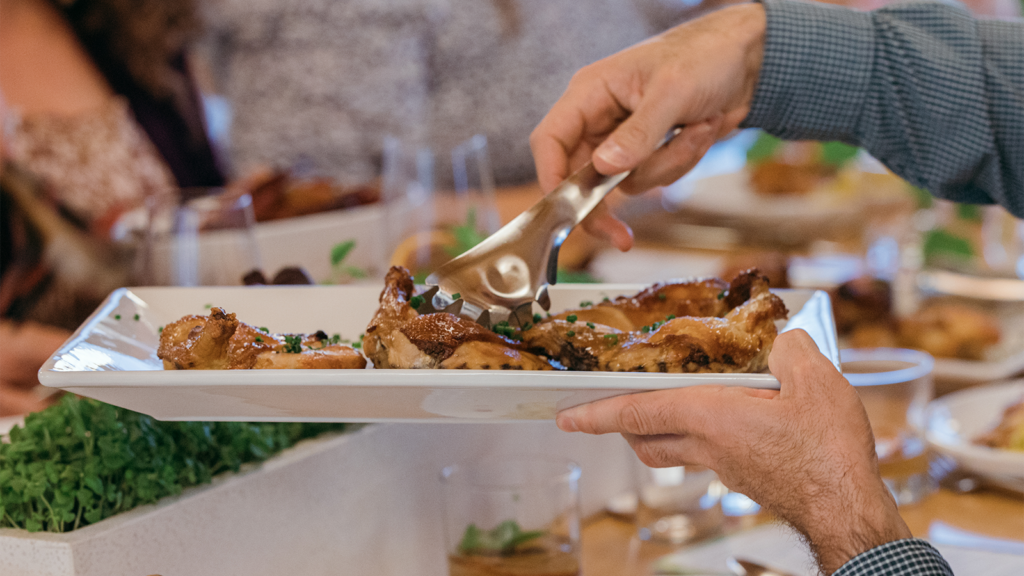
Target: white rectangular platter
(112, 357)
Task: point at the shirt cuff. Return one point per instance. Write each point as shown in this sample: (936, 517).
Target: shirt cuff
(815, 73)
(910, 557)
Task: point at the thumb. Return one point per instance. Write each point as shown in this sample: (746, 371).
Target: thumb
(638, 136)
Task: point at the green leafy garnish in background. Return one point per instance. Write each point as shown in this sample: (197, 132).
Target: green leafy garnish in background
(921, 196)
(466, 235)
(576, 277)
(837, 154)
(80, 460)
(764, 148)
(501, 540)
(339, 253)
(942, 245)
(969, 212)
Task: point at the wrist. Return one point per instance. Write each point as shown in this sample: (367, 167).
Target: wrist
(853, 524)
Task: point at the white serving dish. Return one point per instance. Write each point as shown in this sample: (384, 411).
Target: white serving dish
(115, 361)
(954, 421)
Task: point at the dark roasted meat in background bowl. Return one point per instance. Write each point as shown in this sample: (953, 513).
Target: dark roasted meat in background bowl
(283, 195)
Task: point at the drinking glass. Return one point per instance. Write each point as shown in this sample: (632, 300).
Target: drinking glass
(512, 516)
(679, 504)
(200, 237)
(434, 210)
(895, 386)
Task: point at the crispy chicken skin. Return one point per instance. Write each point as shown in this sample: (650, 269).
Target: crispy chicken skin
(738, 342)
(219, 341)
(399, 337)
(703, 297)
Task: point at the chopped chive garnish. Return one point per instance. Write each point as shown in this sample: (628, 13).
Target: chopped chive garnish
(537, 318)
(670, 317)
(136, 316)
(208, 306)
(292, 344)
(457, 295)
(662, 296)
(614, 338)
(117, 316)
(160, 329)
(416, 301)
(336, 338)
(606, 299)
(571, 318)
(590, 325)
(645, 329)
(570, 333)
(721, 294)
(259, 339)
(357, 345)
(264, 329)
(527, 326)
(586, 303)
(361, 336)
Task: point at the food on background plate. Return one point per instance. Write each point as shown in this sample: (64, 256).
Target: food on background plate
(779, 168)
(508, 550)
(694, 326)
(281, 195)
(944, 329)
(400, 337)
(221, 342)
(688, 326)
(1009, 433)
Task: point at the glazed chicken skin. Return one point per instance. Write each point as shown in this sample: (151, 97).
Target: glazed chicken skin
(740, 341)
(702, 297)
(220, 342)
(399, 337)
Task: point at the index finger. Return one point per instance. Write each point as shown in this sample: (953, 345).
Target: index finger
(552, 142)
(678, 411)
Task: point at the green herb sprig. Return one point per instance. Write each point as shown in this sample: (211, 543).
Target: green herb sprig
(292, 344)
(502, 540)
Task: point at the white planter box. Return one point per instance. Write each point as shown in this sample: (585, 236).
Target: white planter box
(366, 502)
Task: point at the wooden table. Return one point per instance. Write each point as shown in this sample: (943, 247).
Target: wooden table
(611, 548)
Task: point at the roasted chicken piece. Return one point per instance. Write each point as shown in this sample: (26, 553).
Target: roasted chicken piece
(219, 341)
(703, 297)
(1009, 433)
(399, 337)
(699, 342)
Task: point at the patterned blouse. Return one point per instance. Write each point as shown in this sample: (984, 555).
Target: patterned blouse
(96, 165)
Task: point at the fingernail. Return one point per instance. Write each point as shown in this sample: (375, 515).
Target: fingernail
(612, 153)
(566, 423)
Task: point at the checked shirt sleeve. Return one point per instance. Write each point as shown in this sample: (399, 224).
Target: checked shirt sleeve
(911, 557)
(935, 94)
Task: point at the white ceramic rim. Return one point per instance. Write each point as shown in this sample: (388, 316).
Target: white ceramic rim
(924, 364)
(569, 471)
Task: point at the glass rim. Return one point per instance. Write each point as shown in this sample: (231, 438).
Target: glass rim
(568, 471)
(923, 364)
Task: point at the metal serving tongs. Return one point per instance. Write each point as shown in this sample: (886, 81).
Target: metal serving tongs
(500, 278)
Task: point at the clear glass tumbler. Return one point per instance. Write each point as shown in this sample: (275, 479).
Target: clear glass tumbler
(200, 237)
(678, 505)
(514, 516)
(895, 386)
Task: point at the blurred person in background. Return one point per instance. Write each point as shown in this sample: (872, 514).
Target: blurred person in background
(98, 111)
(319, 84)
